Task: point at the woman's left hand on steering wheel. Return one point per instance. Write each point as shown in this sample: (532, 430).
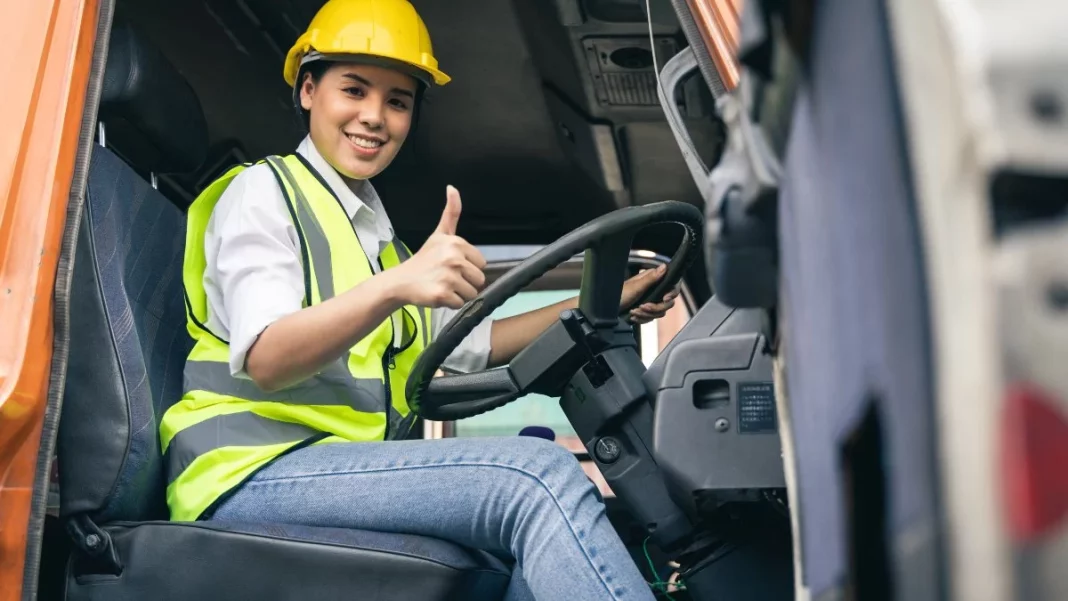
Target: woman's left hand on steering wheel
(635, 287)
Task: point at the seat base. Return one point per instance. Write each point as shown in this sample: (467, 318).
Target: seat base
(209, 561)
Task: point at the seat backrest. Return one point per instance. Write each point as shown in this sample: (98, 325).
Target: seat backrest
(128, 342)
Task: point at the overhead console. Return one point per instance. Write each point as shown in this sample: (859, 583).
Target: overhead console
(597, 66)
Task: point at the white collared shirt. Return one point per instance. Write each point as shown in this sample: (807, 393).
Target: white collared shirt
(254, 275)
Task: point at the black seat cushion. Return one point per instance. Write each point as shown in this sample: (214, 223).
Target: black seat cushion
(219, 561)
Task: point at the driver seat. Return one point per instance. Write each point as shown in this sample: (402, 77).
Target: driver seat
(128, 346)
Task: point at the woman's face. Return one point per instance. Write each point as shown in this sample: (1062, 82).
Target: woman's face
(360, 116)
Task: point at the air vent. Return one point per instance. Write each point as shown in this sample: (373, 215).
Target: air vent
(622, 68)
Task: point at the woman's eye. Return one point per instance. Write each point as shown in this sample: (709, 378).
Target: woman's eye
(358, 92)
(400, 104)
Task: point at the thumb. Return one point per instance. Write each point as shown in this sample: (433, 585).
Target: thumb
(652, 275)
(645, 278)
(451, 215)
(648, 277)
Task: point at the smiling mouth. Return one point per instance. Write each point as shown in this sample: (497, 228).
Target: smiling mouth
(364, 142)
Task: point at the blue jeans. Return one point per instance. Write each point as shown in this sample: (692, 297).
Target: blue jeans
(523, 497)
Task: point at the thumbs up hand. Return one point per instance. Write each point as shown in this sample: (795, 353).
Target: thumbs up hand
(447, 270)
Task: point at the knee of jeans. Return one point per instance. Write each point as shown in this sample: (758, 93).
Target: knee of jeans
(552, 461)
(565, 487)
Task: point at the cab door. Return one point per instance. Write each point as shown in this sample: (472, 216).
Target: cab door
(46, 69)
(917, 177)
(812, 218)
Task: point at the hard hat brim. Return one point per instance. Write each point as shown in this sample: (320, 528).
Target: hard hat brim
(296, 59)
(421, 73)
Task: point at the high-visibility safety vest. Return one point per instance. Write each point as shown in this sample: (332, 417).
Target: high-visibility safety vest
(224, 428)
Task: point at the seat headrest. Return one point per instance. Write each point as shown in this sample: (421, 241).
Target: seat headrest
(150, 112)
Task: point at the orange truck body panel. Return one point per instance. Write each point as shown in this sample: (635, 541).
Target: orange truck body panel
(719, 22)
(48, 57)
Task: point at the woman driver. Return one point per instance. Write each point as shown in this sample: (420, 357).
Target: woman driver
(308, 313)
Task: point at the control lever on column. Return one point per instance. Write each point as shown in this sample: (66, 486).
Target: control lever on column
(591, 344)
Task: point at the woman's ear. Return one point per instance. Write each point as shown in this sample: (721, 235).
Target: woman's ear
(307, 92)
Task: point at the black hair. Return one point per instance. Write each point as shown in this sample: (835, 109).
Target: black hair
(316, 69)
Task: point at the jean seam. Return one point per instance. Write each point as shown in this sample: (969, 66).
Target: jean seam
(535, 477)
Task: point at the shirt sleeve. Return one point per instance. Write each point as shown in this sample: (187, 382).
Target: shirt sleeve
(473, 353)
(257, 264)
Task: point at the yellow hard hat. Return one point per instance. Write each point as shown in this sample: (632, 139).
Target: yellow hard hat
(387, 29)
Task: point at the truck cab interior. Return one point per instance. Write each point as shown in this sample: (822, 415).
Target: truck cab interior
(553, 132)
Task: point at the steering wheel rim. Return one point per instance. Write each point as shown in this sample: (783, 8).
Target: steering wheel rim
(606, 242)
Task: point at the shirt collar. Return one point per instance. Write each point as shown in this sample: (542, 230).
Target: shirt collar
(350, 199)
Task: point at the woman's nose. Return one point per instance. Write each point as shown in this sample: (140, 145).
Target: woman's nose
(371, 117)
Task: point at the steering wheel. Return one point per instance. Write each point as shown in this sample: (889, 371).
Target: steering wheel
(606, 241)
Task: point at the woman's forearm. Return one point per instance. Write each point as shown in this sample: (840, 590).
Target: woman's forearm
(510, 335)
(301, 344)
(513, 334)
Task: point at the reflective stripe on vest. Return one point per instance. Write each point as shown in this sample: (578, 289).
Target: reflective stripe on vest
(224, 429)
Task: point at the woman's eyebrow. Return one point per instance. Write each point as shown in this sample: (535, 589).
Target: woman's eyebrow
(370, 84)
